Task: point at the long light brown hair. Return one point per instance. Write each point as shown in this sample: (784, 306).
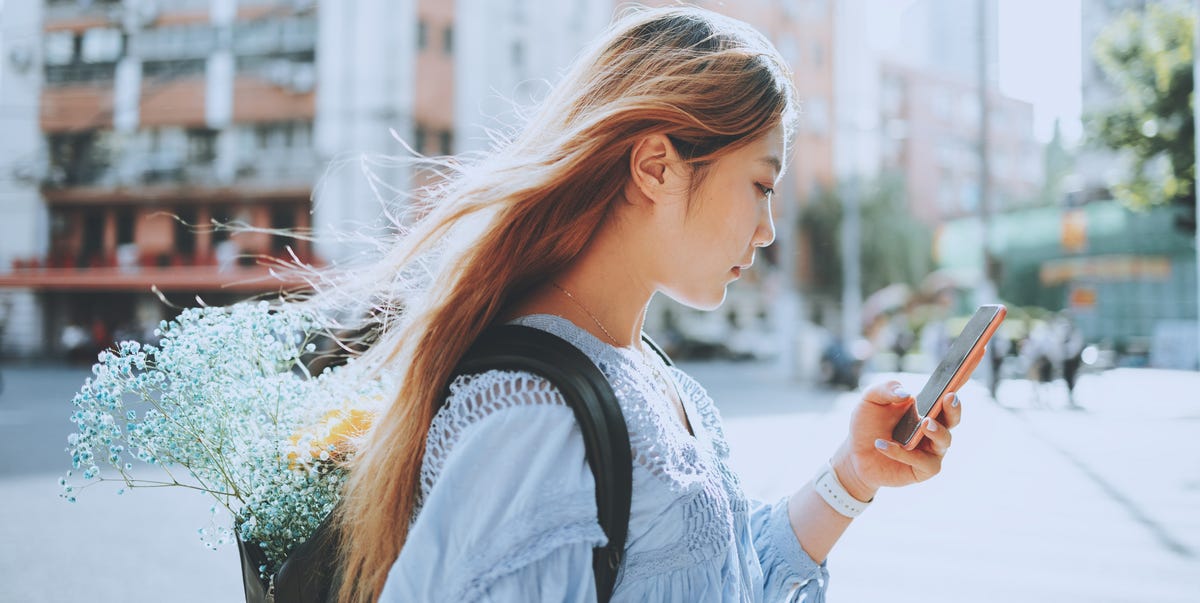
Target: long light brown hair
(501, 226)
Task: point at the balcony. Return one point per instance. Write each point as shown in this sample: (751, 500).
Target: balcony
(72, 14)
(258, 173)
(123, 271)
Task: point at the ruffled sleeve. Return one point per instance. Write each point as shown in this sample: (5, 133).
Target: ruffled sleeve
(510, 512)
(788, 572)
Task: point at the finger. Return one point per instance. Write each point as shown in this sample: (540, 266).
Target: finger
(938, 436)
(951, 410)
(924, 464)
(888, 392)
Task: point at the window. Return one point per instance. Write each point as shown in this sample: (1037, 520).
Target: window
(518, 54)
(173, 68)
(418, 142)
(299, 34)
(185, 235)
(79, 158)
(283, 217)
(93, 236)
(175, 42)
(60, 48)
(256, 37)
(101, 45)
(221, 214)
(448, 40)
(422, 35)
(202, 145)
(125, 217)
(446, 142)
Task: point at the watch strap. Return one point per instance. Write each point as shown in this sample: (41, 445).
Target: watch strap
(835, 494)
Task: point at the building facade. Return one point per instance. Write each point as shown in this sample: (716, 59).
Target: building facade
(931, 134)
(149, 120)
(24, 233)
(155, 119)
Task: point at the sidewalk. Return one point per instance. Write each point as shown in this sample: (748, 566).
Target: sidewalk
(1033, 504)
(1093, 506)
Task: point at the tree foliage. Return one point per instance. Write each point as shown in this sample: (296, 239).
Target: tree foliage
(894, 246)
(1147, 56)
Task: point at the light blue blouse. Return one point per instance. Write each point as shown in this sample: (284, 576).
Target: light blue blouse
(508, 508)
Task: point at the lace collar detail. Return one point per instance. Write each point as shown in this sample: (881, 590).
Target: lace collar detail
(659, 441)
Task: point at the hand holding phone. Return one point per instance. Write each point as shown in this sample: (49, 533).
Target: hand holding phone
(951, 373)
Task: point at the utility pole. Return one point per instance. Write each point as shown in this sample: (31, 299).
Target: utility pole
(788, 301)
(987, 289)
(851, 263)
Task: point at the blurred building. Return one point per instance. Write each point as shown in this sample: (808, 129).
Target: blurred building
(153, 119)
(132, 125)
(913, 107)
(24, 228)
(931, 134)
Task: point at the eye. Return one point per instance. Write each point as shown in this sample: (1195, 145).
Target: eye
(765, 190)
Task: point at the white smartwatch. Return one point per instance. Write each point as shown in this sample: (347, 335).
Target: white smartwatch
(835, 494)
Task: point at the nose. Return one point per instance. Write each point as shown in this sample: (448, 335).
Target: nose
(765, 234)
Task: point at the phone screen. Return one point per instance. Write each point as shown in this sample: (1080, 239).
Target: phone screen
(960, 350)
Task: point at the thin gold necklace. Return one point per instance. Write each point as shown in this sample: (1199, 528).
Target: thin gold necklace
(666, 384)
(588, 312)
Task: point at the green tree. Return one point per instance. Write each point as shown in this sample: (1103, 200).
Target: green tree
(895, 247)
(1147, 56)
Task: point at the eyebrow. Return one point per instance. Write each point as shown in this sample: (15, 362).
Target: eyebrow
(774, 162)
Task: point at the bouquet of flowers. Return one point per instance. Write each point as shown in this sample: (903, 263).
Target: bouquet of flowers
(225, 396)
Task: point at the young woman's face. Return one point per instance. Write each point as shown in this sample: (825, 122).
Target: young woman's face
(726, 219)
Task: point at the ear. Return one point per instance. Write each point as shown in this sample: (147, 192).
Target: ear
(656, 170)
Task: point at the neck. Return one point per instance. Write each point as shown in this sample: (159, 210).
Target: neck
(607, 286)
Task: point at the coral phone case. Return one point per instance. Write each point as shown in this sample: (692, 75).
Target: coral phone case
(965, 353)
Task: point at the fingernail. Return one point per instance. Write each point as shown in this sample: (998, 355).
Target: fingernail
(881, 444)
(955, 403)
(901, 392)
(930, 424)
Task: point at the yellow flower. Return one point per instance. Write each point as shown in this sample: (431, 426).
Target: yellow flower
(330, 438)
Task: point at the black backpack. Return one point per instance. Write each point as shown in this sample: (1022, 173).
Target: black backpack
(309, 574)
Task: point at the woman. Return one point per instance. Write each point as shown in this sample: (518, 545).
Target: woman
(649, 169)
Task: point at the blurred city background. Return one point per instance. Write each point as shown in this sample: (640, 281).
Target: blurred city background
(950, 153)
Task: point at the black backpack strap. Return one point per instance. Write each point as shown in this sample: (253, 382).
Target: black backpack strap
(605, 437)
(657, 350)
(310, 574)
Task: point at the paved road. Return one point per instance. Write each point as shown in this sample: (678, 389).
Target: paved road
(1036, 503)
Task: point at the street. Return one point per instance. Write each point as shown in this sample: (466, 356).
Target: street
(1036, 502)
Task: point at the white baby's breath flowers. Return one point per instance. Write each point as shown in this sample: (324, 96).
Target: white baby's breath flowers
(226, 396)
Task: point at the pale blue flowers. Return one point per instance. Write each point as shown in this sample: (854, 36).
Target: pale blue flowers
(222, 396)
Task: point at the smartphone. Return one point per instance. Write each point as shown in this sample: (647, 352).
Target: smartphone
(951, 373)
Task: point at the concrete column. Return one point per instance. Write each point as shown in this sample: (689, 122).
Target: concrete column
(366, 61)
(22, 329)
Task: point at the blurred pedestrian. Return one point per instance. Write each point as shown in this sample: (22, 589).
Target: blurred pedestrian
(999, 347)
(1043, 356)
(902, 339)
(1072, 344)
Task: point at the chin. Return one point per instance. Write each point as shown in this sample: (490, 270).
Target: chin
(699, 300)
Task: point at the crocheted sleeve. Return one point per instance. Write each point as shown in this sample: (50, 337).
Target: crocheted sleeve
(508, 501)
(788, 572)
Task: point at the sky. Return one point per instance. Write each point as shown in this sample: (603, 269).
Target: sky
(1039, 56)
(1038, 53)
